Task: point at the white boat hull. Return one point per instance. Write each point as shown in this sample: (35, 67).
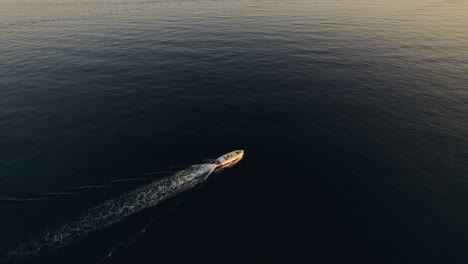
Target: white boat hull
(230, 159)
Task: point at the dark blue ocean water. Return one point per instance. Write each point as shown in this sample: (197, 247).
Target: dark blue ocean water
(353, 116)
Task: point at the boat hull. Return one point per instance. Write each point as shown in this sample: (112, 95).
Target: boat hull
(230, 159)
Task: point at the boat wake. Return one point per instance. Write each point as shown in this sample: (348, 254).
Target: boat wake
(110, 212)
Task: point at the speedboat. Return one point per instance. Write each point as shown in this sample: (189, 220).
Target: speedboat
(230, 159)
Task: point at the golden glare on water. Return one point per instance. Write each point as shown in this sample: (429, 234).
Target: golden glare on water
(358, 106)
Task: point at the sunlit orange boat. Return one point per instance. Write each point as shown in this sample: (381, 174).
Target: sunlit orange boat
(230, 159)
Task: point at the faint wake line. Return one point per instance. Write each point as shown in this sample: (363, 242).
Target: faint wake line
(112, 211)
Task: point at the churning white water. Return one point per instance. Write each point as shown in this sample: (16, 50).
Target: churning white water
(112, 211)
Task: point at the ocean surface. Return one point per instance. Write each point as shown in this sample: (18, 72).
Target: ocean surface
(353, 116)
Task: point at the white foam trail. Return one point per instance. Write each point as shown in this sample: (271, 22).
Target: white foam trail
(112, 211)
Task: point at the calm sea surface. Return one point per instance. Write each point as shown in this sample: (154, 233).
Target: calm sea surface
(353, 116)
